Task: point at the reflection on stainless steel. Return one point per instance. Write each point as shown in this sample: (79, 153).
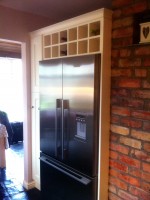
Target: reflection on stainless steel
(78, 87)
(69, 124)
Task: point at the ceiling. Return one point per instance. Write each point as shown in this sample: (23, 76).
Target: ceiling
(57, 10)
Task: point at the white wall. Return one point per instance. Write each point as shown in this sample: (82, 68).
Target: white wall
(15, 26)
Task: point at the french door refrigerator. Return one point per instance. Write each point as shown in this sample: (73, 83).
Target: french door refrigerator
(69, 107)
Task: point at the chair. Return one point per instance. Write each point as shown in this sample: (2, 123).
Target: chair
(17, 128)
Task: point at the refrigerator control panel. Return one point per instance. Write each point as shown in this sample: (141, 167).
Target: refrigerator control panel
(81, 127)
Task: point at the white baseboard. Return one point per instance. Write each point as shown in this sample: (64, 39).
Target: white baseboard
(38, 186)
(29, 186)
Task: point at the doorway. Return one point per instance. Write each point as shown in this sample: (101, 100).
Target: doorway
(11, 102)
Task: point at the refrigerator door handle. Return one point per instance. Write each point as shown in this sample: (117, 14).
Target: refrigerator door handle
(66, 171)
(65, 128)
(58, 128)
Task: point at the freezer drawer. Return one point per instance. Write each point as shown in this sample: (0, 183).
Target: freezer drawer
(61, 183)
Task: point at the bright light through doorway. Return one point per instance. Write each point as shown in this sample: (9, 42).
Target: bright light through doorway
(15, 161)
(11, 88)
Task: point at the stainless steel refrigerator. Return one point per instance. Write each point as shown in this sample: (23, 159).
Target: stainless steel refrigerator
(69, 107)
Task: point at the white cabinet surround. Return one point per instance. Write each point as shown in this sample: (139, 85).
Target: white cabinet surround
(86, 34)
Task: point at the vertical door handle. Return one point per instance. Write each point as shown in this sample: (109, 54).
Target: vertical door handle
(65, 128)
(58, 128)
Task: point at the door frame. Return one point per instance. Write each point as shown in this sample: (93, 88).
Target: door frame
(28, 182)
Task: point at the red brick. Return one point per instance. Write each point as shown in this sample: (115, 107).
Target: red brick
(129, 179)
(121, 92)
(121, 72)
(127, 102)
(114, 83)
(140, 72)
(122, 22)
(120, 111)
(114, 101)
(147, 147)
(145, 115)
(124, 53)
(115, 119)
(117, 13)
(143, 94)
(135, 8)
(141, 135)
(123, 102)
(114, 63)
(121, 42)
(146, 84)
(130, 62)
(129, 83)
(120, 184)
(113, 137)
(120, 3)
(113, 197)
(126, 196)
(129, 161)
(112, 188)
(118, 166)
(146, 62)
(146, 167)
(115, 53)
(119, 130)
(145, 186)
(140, 6)
(135, 103)
(119, 148)
(142, 51)
(122, 32)
(146, 177)
(147, 105)
(113, 172)
(113, 155)
(141, 155)
(135, 58)
(139, 193)
(135, 172)
(123, 177)
(131, 123)
(130, 142)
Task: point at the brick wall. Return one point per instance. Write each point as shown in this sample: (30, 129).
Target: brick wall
(130, 106)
